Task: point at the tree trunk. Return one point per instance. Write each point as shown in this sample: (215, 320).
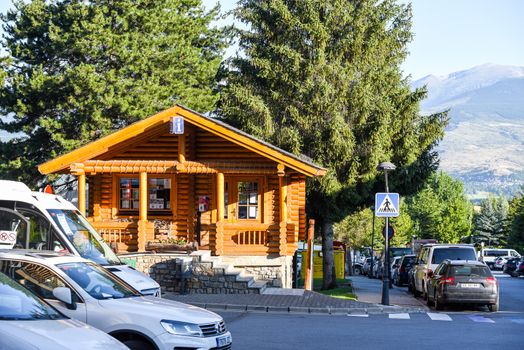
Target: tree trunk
(329, 280)
(349, 261)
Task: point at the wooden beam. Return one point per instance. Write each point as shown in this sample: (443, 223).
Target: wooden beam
(282, 186)
(169, 167)
(220, 197)
(82, 193)
(181, 148)
(142, 213)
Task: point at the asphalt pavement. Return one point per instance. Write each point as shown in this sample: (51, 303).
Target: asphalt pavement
(300, 301)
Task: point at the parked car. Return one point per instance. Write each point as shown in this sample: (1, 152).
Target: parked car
(463, 282)
(378, 266)
(43, 221)
(499, 262)
(29, 323)
(519, 270)
(402, 268)
(430, 256)
(488, 255)
(366, 267)
(394, 263)
(90, 293)
(510, 265)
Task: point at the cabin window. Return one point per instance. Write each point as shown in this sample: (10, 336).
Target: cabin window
(159, 194)
(247, 200)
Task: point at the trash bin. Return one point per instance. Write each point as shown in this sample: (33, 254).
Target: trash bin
(338, 255)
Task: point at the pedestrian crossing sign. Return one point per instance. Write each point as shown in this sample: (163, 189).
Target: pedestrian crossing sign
(387, 204)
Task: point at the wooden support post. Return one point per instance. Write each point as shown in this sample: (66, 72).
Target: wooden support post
(219, 236)
(82, 193)
(181, 148)
(283, 210)
(142, 214)
(308, 285)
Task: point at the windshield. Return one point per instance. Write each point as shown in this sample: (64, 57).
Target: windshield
(84, 237)
(17, 303)
(441, 254)
(97, 281)
(474, 271)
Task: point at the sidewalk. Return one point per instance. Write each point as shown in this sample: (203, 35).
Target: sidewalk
(301, 301)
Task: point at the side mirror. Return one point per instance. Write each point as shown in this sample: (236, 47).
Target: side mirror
(64, 295)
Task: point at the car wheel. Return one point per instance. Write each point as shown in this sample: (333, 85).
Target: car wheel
(357, 271)
(138, 345)
(438, 306)
(429, 302)
(494, 307)
(416, 293)
(410, 289)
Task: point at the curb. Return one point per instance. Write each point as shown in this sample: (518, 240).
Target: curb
(372, 310)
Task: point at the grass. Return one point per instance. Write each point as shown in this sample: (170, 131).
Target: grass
(343, 291)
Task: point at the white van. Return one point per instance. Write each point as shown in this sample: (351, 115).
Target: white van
(489, 255)
(42, 221)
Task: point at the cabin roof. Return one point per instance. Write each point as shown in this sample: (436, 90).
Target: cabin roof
(301, 164)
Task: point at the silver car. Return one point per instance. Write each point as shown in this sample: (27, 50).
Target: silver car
(28, 323)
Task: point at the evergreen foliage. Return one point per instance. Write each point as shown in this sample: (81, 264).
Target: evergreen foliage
(491, 223)
(76, 70)
(323, 78)
(516, 222)
(441, 210)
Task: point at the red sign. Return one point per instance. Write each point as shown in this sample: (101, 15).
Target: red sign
(203, 203)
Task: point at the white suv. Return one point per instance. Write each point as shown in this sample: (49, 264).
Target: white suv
(430, 256)
(89, 293)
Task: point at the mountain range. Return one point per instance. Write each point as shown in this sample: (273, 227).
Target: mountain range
(484, 142)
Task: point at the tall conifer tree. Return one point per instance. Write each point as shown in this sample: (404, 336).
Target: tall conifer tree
(323, 78)
(75, 70)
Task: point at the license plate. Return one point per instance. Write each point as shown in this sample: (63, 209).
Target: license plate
(223, 341)
(470, 285)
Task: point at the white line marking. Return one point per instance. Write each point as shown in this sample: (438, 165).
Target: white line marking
(358, 315)
(403, 316)
(439, 317)
(481, 319)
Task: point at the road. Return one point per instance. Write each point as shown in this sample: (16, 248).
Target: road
(453, 329)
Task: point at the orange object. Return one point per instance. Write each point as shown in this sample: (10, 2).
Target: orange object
(49, 189)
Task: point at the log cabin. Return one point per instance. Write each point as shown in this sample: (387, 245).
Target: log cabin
(180, 175)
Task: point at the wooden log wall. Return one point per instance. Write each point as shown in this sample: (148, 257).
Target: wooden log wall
(202, 146)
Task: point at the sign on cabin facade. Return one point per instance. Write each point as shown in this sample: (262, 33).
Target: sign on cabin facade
(152, 180)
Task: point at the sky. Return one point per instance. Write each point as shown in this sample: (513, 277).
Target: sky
(451, 35)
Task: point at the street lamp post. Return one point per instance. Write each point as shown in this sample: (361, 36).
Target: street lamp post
(385, 167)
(370, 273)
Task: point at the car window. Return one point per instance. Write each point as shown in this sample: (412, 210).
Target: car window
(424, 255)
(16, 303)
(495, 252)
(14, 229)
(467, 270)
(37, 278)
(97, 281)
(453, 253)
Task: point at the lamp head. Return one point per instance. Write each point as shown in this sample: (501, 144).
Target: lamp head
(386, 166)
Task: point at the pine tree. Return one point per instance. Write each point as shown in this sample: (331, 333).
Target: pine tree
(75, 70)
(491, 222)
(323, 78)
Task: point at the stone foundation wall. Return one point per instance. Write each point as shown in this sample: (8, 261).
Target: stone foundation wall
(205, 278)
